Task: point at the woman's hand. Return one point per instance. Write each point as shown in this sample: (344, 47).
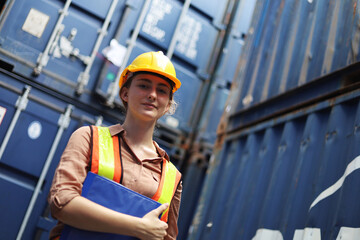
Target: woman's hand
(152, 228)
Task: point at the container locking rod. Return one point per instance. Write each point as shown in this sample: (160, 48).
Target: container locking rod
(84, 76)
(114, 87)
(20, 104)
(44, 56)
(63, 123)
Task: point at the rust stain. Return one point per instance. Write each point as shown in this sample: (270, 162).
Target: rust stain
(332, 102)
(354, 12)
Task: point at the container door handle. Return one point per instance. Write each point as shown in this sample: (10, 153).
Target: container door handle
(63, 123)
(174, 39)
(84, 76)
(20, 104)
(114, 87)
(44, 56)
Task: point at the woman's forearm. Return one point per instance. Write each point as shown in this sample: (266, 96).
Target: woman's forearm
(87, 215)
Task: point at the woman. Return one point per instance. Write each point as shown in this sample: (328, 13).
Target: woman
(146, 89)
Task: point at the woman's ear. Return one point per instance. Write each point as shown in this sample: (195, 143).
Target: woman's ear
(124, 94)
(167, 108)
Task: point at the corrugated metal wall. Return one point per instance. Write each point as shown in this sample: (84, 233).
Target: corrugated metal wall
(286, 162)
(295, 171)
(294, 42)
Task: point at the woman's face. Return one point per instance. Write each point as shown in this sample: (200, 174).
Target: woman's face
(148, 97)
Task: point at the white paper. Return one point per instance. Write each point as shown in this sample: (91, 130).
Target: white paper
(115, 53)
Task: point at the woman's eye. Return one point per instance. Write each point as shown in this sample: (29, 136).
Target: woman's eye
(163, 91)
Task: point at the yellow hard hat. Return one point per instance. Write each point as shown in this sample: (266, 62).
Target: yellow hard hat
(155, 62)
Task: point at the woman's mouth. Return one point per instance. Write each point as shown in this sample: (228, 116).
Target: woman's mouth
(149, 105)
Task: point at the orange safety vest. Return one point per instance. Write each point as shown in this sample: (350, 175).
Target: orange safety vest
(106, 161)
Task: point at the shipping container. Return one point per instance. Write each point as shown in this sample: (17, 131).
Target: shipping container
(224, 69)
(202, 138)
(285, 162)
(35, 127)
(58, 72)
(79, 47)
(294, 42)
(291, 175)
(192, 185)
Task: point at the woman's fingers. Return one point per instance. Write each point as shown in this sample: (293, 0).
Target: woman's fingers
(160, 209)
(154, 227)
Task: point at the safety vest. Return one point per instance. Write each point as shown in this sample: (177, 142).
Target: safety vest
(105, 160)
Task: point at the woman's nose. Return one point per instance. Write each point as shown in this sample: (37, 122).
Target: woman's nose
(152, 94)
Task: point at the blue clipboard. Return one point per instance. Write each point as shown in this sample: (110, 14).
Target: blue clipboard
(114, 196)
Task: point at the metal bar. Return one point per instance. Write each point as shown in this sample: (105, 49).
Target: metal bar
(174, 39)
(44, 56)
(289, 115)
(84, 76)
(6, 10)
(118, 32)
(114, 88)
(21, 104)
(344, 79)
(32, 65)
(53, 93)
(123, 22)
(63, 123)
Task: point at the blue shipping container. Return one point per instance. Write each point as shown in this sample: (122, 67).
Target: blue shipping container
(34, 130)
(285, 165)
(69, 45)
(291, 43)
(292, 176)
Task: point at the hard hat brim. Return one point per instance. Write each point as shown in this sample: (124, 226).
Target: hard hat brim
(177, 83)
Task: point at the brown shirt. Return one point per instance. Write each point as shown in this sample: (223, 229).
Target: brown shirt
(142, 176)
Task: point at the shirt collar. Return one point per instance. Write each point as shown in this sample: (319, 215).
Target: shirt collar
(118, 129)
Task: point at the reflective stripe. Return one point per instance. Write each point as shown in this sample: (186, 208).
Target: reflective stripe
(117, 165)
(105, 159)
(170, 178)
(106, 153)
(157, 195)
(95, 150)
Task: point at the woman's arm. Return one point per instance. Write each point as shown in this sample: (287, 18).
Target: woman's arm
(172, 230)
(87, 215)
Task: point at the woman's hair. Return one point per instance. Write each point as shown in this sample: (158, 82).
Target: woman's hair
(128, 82)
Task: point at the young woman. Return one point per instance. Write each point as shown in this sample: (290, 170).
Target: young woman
(146, 89)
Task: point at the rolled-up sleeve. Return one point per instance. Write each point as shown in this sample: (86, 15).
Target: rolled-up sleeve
(71, 171)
